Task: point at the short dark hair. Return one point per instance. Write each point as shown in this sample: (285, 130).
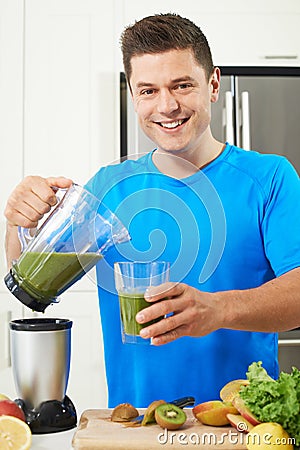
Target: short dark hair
(163, 32)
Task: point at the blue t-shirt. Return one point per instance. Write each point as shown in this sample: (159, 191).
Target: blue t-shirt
(235, 224)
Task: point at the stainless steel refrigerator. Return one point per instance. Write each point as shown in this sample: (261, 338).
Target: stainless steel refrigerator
(258, 109)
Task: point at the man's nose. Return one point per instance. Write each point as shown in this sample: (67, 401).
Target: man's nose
(167, 102)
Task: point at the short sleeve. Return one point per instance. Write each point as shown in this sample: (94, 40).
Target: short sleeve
(281, 221)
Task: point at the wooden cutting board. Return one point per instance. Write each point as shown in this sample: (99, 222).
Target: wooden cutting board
(96, 431)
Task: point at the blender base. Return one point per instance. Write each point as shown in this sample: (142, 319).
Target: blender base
(51, 416)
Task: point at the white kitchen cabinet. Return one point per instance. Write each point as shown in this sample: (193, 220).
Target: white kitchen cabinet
(69, 108)
(11, 138)
(58, 87)
(11, 111)
(10, 308)
(135, 9)
(69, 113)
(239, 33)
(252, 39)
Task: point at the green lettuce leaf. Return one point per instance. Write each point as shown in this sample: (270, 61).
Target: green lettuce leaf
(257, 373)
(274, 401)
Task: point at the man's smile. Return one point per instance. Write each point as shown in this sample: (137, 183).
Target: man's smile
(173, 124)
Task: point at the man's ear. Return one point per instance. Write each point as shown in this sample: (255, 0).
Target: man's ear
(214, 82)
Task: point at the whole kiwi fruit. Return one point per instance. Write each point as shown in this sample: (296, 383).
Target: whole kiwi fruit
(169, 416)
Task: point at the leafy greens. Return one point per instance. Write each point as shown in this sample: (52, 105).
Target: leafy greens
(274, 401)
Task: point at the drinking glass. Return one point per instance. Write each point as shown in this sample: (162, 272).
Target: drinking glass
(131, 280)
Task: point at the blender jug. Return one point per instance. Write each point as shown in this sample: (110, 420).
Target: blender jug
(73, 238)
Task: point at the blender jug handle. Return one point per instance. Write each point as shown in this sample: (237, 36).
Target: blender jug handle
(24, 234)
(25, 237)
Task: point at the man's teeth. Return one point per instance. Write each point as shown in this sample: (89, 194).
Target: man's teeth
(174, 124)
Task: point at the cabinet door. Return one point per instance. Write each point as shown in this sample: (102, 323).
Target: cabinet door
(69, 87)
(10, 309)
(70, 90)
(70, 130)
(11, 111)
(11, 163)
(239, 33)
(252, 39)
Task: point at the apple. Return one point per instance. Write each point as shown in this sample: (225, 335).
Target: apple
(231, 389)
(214, 412)
(10, 408)
(239, 422)
(239, 403)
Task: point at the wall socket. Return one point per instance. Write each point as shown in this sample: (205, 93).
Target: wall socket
(5, 318)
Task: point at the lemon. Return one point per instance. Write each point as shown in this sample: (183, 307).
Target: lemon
(15, 434)
(268, 435)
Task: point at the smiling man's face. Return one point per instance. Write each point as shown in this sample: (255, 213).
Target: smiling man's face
(172, 99)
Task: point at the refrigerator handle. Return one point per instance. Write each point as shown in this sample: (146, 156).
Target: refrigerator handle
(246, 144)
(228, 119)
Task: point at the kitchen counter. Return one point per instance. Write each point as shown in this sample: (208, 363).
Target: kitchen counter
(98, 432)
(53, 441)
(95, 431)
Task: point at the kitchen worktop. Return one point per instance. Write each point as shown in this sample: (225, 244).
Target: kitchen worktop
(96, 431)
(53, 441)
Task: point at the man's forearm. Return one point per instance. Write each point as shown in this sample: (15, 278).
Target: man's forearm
(12, 244)
(274, 306)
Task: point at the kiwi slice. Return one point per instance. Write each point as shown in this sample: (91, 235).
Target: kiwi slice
(169, 416)
(149, 413)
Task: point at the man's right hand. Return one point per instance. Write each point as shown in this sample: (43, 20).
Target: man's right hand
(31, 199)
(26, 205)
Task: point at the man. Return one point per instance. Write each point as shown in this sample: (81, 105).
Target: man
(228, 221)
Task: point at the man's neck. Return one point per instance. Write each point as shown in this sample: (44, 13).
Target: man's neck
(182, 165)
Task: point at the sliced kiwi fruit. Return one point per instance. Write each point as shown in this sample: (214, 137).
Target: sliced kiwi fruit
(124, 413)
(149, 413)
(169, 416)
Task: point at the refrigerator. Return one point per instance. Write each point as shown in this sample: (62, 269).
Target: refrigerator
(258, 109)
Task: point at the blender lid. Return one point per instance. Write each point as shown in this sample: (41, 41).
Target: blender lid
(40, 324)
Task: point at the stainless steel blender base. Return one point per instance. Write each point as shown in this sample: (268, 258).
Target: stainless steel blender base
(51, 416)
(40, 355)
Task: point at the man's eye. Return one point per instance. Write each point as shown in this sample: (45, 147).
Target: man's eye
(184, 86)
(147, 92)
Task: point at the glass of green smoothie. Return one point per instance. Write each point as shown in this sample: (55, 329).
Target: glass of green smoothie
(131, 280)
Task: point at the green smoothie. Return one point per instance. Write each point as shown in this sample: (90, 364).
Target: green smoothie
(130, 305)
(47, 275)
